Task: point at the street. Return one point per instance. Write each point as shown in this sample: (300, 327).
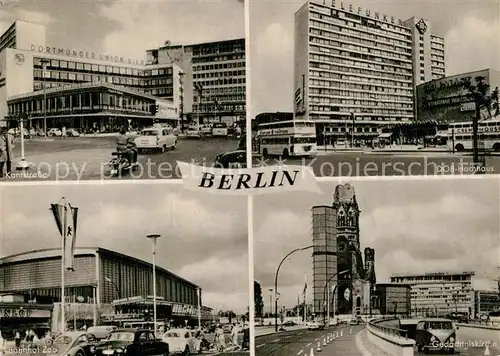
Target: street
(359, 164)
(301, 342)
(83, 158)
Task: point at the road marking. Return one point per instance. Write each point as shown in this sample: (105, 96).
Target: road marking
(301, 351)
(260, 345)
(309, 344)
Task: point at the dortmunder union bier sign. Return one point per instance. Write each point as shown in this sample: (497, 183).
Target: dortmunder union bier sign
(84, 54)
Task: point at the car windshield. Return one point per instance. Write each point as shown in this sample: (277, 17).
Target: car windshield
(149, 133)
(440, 325)
(172, 335)
(121, 336)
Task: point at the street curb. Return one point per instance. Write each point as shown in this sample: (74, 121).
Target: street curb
(359, 344)
(478, 326)
(277, 332)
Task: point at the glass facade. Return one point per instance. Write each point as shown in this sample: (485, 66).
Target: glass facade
(392, 299)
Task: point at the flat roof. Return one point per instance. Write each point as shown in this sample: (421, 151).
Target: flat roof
(434, 274)
(51, 253)
(80, 86)
(392, 285)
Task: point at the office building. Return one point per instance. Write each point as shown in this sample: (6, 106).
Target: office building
(355, 69)
(440, 293)
(392, 299)
(486, 302)
(214, 77)
(29, 65)
(102, 279)
(337, 257)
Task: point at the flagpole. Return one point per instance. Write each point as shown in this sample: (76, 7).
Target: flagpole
(63, 297)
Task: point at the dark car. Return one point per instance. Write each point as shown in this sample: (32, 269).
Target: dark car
(233, 159)
(132, 342)
(435, 334)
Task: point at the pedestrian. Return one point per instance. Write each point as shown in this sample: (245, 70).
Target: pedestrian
(245, 345)
(234, 336)
(17, 339)
(63, 132)
(2, 344)
(220, 340)
(6, 155)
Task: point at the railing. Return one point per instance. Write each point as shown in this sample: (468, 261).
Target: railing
(388, 330)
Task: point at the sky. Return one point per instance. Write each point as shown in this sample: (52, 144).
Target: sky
(204, 238)
(128, 28)
(415, 226)
(470, 29)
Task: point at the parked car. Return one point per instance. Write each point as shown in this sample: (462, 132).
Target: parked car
(101, 332)
(132, 342)
(54, 132)
(73, 343)
(193, 132)
(181, 341)
(314, 325)
(17, 132)
(435, 334)
(205, 129)
(72, 133)
(289, 323)
(219, 129)
(233, 159)
(157, 139)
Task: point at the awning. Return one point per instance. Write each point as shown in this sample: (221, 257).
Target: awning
(385, 135)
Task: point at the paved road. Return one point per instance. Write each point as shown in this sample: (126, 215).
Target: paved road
(358, 164)
(83, 158)
(301, 342)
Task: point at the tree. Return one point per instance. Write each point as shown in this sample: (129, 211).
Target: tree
(479, 93)
(258, 300)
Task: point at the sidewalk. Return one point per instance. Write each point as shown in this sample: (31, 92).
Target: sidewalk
(268, 330)
(365, 347)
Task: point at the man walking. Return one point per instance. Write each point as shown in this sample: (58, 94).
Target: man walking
(6, 154)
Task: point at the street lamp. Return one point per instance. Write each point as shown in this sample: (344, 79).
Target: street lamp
(22, 165)
(276, 283)
(107, 279)
(324, 292)
(153, 239)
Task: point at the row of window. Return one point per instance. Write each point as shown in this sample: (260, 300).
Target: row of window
(219, 74)
(99, 68)
(216, 82)
(375, 90)
(368, 98)
(355, 70)
(204, 60)
(376, 41)
(361, 57)
(221, 107)
(387, 30)
(356, 129)
(389, 54)
(380, 85)
(330, 108)
(209, 100)
(218, 66)
(205, 50)
(216, 92)
(367, 105)
(435, 57)
(56, 75)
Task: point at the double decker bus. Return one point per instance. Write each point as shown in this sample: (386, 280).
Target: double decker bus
(460, 135)
(287, 138)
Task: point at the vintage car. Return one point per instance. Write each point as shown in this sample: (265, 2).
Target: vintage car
(315, 325)
(72, 133)
(54, 132)
(233, 159)
(157, 139)
(132, 342)
(435, 334)
(219, 129)
(181, 341)
(205, 130)
(102, 331)
(72, 343)
(193, 132)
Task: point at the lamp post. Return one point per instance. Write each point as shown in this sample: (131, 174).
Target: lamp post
(44, 63)
(198, 290)
(22, 165)
(276, 283)
(109, 280)
(270, 302)
(327, 284)
(153, 239)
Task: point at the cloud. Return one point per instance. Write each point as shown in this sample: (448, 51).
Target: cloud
(472, 44)
(202, 238)
(10, 12)
(142, 25)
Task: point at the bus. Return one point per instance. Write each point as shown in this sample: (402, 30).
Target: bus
(287, 138)
(460, 135)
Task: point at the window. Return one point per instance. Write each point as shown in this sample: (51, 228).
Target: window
(102, 68)
(64, 75)
(63, 64)
(54, 63)
(109, 69)
(71, 76)
(87, 67)
(79, 66)
(95, 68)
(71, 65)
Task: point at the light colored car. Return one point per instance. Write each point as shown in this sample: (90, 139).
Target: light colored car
(181, 341)
(314, 325)
(193, 132)
(73, 343)
(205, 129)
(54, 132)
(219, 129)
(72, 133)
(102, 331)
(158, 139)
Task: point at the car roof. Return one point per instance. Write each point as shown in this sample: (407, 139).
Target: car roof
(129, 330)
(180, 330)
(435, 319)
(74, 334)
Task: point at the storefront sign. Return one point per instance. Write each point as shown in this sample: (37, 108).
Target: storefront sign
(24, 313)
(448, 101)
(445, 84)
(83, 54)
(366, 12)
(468, 107)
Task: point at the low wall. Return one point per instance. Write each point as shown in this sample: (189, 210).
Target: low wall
(390, 340)
(471, 332)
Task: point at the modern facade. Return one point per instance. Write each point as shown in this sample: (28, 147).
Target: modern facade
(214, 77)
(101, 279)
(439, 293)
(28, 64)
(445, 100)
(392, 299)
(355, 69)
(486, 301)
(337, 257)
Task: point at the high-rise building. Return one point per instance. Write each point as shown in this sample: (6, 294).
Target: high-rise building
(355, 69)
(337, 258)
(392, 298)
(439, 293)
(486, 302)
(214, 77)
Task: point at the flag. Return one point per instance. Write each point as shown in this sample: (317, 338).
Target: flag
(66, 218)
(305, 286)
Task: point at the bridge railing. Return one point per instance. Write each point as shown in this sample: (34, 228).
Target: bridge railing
(392, 340)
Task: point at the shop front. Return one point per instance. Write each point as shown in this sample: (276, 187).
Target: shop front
(21, 317)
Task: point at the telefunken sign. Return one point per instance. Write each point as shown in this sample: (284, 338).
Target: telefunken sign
(84, 54)
(368, 13)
